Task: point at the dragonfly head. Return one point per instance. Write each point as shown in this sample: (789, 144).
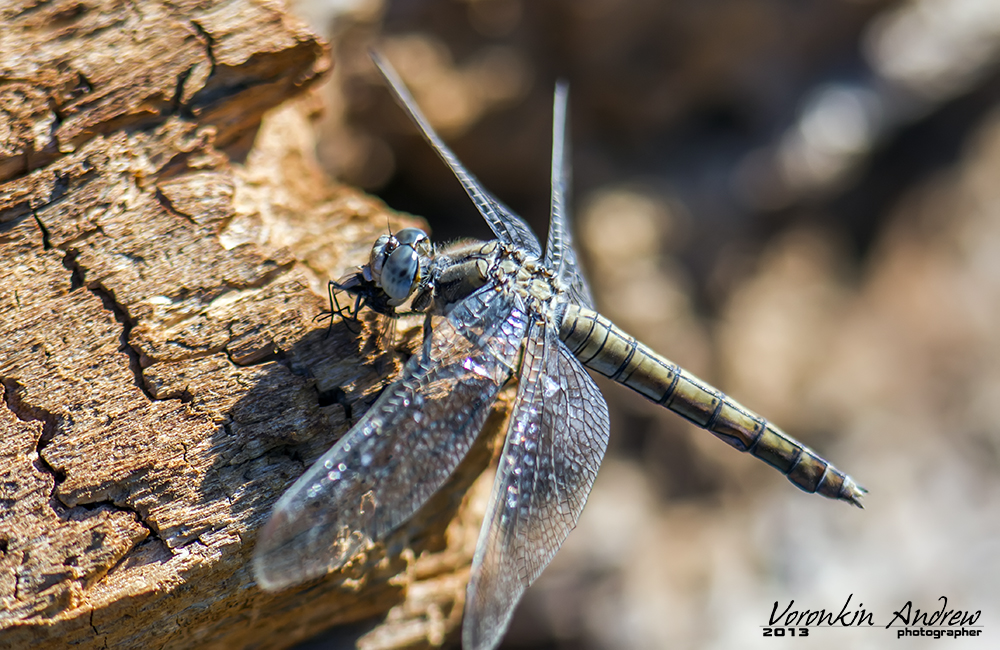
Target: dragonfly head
(397, 262)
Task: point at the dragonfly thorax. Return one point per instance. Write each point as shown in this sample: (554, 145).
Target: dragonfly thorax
(458, 270)
(532, 281)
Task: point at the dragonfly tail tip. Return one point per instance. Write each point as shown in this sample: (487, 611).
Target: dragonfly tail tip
(853, 493)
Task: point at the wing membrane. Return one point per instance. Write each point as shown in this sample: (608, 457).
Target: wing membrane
(509, 227)
(559, 253)
(555, 443)
(401, 452)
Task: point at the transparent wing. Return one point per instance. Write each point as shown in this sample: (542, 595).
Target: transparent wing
(559, 253)
(555, 443)
(403, 449)
(509, 227)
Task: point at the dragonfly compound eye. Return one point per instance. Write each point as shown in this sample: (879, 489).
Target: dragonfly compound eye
(410, 236)
(400, 273)
(380, 253)
(415, 238)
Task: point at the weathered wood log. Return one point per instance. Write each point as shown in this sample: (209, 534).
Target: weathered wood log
(164, 249)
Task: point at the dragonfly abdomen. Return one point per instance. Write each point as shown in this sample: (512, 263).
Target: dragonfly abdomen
(603, 347)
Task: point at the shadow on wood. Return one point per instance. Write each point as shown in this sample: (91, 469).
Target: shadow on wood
(163, 378)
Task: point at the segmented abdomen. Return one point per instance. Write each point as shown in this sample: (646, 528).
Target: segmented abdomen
(602, 346)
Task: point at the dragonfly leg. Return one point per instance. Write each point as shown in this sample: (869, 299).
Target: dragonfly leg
(347, 315)
(426, 352)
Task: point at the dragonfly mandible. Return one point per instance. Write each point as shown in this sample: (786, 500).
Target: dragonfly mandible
(495, 311)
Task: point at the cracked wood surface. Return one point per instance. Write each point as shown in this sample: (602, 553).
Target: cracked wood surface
(163, 252)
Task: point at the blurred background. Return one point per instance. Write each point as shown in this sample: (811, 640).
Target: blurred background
(798, 201)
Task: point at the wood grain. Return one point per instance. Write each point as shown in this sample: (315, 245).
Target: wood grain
(165, 237)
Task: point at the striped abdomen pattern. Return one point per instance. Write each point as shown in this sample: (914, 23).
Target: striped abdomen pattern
(603, 347)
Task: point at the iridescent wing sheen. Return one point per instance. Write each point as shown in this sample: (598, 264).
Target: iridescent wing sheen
(401, 451)
(559, 253)
(510, 228)
(555, 443)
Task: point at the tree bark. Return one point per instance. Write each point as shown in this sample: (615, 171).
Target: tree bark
(164, 247)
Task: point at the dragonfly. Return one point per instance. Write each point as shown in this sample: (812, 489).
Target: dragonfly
(495, 311)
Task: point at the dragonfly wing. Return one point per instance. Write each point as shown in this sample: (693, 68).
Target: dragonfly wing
(402, 450)
(555, 443)
(509, 227)
(559, 253)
